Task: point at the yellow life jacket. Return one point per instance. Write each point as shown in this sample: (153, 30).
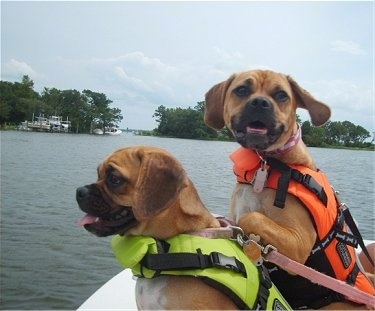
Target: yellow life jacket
(221, 263)
(333, 252)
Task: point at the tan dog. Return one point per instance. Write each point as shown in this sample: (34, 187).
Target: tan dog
(144, 191)
(259, 107)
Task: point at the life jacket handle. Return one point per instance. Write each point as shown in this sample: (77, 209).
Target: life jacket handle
(287, 174)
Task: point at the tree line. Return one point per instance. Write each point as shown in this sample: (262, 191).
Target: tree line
(188, 123)
(19, 102)
(336, 133)
(183, 123)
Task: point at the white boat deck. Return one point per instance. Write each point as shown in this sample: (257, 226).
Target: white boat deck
(117, 294)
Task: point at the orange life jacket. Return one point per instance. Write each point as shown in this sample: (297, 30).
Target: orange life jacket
(333, 252)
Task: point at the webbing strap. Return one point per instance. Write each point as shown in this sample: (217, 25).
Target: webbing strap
(287, 173)
(188, 261)
(309, 182)
(264, 289)
(353, 275)
(282, 189)
(338, 233)
(354, 229)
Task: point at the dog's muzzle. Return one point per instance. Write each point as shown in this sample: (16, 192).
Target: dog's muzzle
(103, 219)
(256, 126)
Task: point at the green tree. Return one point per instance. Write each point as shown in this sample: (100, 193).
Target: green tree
(19, 101)
(311, 135)
(53, 100)
(7, 97)
(183, 123)
(75, 106)
(161, 117)
(99, 110)
(355, 134)
(361, 134)
(115, 116)
(81, 108)
(335, 133)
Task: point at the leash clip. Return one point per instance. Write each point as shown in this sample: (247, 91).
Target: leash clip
(268, 248)
(251, 247)
(342, 206)
(237, 234)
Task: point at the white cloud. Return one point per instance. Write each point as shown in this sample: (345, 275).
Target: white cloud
(138, 84)
(15, 69)
(347, 47)
(349, 101)
(172, 60)
(342, 94)
(135, 82)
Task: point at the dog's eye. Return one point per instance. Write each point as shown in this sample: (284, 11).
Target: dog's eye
(114, 180)
(281, 96)
(242, 91)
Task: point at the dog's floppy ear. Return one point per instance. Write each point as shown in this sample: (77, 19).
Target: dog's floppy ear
(319, 112)
(160, 180)
(214, 104)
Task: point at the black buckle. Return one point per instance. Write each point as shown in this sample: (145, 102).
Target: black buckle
(222, 261)
(310, 183)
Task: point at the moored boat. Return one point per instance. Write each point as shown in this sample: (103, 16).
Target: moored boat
(112, 131)
(42, 124)
(98, 131)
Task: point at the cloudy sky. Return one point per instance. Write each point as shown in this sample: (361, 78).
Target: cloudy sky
(146, 54)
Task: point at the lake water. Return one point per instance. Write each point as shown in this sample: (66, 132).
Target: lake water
(48, 262)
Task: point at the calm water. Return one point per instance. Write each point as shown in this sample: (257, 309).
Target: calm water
(48, 262)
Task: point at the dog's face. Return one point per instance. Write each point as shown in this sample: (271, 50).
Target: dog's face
(259, 107)
(134, 184)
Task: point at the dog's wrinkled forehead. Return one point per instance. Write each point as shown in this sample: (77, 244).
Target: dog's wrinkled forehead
(260, 82)
(124, 161)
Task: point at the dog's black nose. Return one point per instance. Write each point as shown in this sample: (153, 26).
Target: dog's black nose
(81, 192)
(261, 103)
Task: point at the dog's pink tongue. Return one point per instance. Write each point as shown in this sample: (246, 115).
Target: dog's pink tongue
(86, 220)
(253, 130)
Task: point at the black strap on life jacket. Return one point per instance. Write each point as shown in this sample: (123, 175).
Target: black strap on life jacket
(241, 305)
(353, 275)
(288, 173)
(188, 261)
(261, 301)
(337, 232)
(264, 289)
(354, 229)
(185, 261)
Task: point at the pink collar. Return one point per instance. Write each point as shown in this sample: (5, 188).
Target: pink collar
(227, 230)
(291, 142)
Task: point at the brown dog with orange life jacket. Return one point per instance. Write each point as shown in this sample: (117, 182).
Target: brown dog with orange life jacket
(280, 194)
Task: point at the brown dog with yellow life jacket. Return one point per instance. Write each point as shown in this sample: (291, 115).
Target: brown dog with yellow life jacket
(280, 194)
(183, 256)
